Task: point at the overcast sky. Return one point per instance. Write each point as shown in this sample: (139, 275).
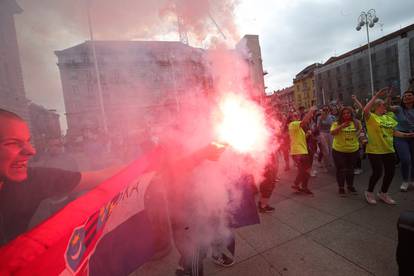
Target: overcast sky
(293, 33)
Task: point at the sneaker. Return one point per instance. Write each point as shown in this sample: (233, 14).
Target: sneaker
(357, 171)
(352, 190)
(223, 260)
(370, 197)
(295, 187)
(404, 186)
(313, 173)
(306, 191)
(386, 198)
(265, 209)
(341, 191)
(277, 179)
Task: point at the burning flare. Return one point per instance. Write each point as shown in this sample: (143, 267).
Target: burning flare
(241, 124)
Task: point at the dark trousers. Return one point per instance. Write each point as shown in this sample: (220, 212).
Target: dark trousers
(267, 186)
(285, 148)
(405, 150)
(380, 163)
(344, 163)
(302, 162)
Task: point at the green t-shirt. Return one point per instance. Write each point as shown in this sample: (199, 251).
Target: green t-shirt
(380, 132)
(297, 139)
(347, 138)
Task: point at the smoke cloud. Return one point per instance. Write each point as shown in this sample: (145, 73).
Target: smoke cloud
(49, 25)
(46, 26)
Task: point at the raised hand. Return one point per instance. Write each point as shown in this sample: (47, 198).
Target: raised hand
(384, 91)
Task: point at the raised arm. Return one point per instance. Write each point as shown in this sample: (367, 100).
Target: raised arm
(368, 106)
(305, 121)
(388, 102)
(357, 102)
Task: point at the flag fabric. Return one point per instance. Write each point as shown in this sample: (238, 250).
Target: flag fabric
(108, 231)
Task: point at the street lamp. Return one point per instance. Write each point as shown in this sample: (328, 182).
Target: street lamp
(368, 19)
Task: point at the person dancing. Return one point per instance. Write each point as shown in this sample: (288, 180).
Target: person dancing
(380, 150)
(345, 148)
(299, 150)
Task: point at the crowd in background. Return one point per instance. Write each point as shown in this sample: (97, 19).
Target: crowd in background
(337, 137)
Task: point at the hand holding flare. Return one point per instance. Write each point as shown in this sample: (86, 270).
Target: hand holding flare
(241, 124)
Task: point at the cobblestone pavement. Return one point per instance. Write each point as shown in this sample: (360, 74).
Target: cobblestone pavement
(321, 235)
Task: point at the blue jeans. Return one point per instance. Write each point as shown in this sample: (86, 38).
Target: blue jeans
(405, 151)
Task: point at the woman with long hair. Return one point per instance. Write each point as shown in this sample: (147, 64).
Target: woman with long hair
(345, 148)
(404, 144)
(380, 150)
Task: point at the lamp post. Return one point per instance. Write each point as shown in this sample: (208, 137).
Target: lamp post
(368, 19)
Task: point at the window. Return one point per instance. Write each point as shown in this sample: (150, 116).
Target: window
(75, 90)
(103, 79)
(6, 71)
(116, 77)
(360, 64)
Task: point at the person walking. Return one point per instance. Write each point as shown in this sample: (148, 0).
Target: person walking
(285, 142)
(380, 149)
(324, 123)
(345, 148)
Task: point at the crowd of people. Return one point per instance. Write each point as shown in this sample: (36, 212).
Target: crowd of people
(344, 136)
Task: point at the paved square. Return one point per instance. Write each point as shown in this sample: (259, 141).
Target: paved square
(320, 235)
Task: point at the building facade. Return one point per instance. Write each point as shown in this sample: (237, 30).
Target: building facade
(137, 78)
(284, 99)
(304, 87)
(348, 74)
(45, 125)
(12, 94)
(141, 83)
(250, 43)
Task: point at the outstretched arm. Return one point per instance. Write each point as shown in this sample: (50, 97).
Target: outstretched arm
(388, 102)
(357, 102)
(305, 121)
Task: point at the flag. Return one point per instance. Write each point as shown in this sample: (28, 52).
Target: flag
(108, 231)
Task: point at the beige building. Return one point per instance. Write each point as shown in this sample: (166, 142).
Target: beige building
(304, 87)
(12, 95)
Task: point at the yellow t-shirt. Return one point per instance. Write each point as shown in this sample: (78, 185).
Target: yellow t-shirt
(346, 140)
(380, 132)
(297, 139)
